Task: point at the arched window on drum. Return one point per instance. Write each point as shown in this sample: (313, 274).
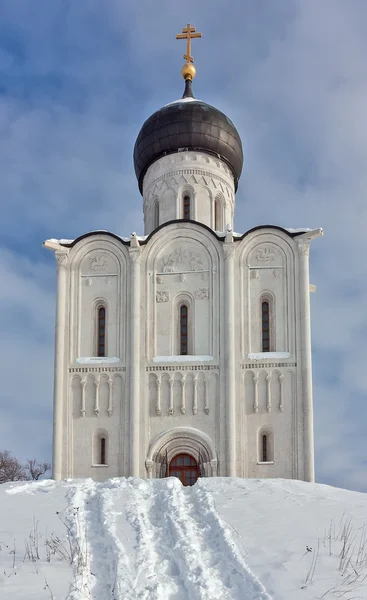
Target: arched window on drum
(186, 206)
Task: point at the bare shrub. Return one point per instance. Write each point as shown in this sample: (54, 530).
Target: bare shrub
(10, 468)
(34, 469)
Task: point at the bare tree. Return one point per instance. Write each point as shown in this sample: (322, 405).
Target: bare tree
(34, 469)
(10, 468)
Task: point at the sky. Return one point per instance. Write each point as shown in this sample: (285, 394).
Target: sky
(77, 81)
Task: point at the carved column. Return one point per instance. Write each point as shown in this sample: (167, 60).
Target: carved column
(170, 409)
(268, 392)
(84, 387)
(195, 402)
(134, 251)
(214, 466)
(149, 466)
(206, 396)
(306, 369)
(96, 399)
(110, 396)
(158, 408)
(281, 384)
(183, 394)
(229, 353)
(59, 364)
(255, 378)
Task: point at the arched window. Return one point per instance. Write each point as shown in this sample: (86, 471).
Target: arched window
(102, 448)
(265, 451)
(265, 326)
(218, 215)
(186, 212)
(264, 448)
(184, 314)
(101, 331)
(156, 214)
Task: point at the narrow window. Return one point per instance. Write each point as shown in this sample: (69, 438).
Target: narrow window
(186, 207)
(217, 215)
(183, 329)
(265, 318)
(264, 448)
(101, 332)
(156, 214)
(103, 451)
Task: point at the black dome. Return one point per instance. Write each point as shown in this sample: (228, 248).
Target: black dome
(192, 125)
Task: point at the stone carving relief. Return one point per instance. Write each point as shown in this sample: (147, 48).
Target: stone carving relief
(182, 259)
(162, 297)
(202, 294)
(254, 274)
(98, 263)
(265, 254)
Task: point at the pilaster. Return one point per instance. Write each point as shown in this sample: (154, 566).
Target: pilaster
(306, 368)
(135, 259)
(62, 261)
(229, 354)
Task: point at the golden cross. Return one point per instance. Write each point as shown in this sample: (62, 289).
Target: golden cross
(188, 33)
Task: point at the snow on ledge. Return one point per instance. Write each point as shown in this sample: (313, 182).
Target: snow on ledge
(267, 355)
(188, 358)
(298, 230)
(96, 360)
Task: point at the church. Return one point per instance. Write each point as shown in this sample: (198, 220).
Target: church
(185, 351)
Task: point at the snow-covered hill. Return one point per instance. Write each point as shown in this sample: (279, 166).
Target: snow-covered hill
(155, 540)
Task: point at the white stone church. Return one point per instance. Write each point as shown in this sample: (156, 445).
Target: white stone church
(186, 351)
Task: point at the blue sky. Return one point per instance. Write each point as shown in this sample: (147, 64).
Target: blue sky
(78, 79)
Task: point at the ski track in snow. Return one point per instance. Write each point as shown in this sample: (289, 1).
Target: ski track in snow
(183, 551)
(214, 568)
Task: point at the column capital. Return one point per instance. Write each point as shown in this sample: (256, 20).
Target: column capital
(304, 246)
(62, 259)
(228, 250)
(149, 464)
(135, 255)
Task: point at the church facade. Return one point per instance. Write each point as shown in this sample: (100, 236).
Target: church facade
(186, 351)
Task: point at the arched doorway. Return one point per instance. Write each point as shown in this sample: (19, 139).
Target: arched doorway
(185, 467)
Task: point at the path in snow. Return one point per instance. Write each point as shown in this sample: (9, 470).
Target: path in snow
(156, 540)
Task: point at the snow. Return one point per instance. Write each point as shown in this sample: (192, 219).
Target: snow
(183, 100)
(222, 539)
(189, 358)
(298, 230)
(96, 360)
(268, 355)
(61, 241)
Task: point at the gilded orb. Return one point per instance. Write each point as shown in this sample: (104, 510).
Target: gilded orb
(188, 71)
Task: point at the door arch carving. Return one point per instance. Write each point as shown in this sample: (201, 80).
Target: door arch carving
(181, 440)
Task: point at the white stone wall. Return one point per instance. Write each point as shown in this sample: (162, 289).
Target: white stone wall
(145, 399)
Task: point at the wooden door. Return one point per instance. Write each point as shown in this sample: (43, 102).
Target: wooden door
(185, 467)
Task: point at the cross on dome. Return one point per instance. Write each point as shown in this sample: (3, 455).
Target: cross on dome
(188, 33)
